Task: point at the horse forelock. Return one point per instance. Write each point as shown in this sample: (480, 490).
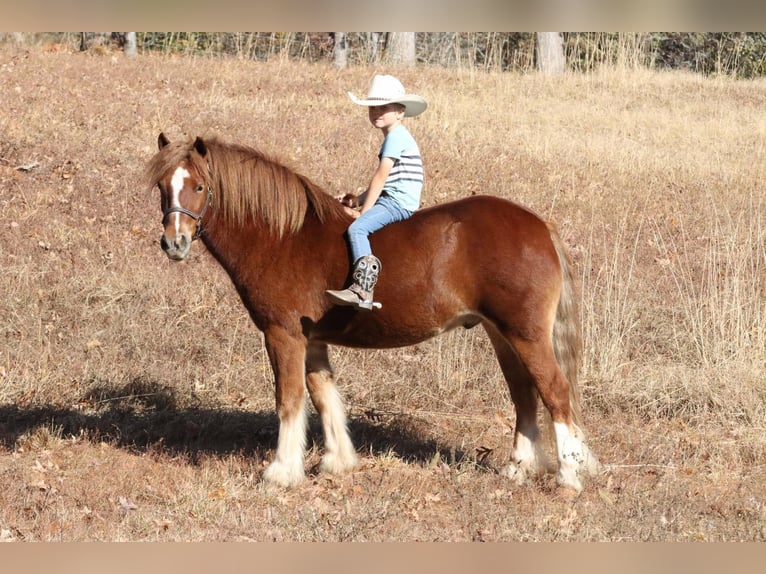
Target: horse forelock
(165, 161)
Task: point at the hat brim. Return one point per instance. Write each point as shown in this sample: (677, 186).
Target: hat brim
(413, 105)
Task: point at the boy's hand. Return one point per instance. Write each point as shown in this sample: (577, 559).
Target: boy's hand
(349, 200)
(352, 212)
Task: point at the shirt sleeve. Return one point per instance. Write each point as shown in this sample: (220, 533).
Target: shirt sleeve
(393, 145)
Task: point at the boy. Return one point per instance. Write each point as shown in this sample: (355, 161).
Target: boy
(394, 190)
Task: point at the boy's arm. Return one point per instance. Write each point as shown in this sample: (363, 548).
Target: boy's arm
(376, 183)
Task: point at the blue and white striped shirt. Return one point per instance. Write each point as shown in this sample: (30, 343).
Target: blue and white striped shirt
(405, 181)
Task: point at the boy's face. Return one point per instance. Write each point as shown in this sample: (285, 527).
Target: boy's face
(386, 117)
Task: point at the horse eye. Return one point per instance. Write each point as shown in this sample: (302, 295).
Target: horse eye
(200, 188)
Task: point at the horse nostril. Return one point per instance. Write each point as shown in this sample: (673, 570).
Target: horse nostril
(164, 243)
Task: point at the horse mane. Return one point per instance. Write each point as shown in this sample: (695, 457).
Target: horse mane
(247, 184)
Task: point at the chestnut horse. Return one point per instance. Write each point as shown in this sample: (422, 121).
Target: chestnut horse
(479, 260)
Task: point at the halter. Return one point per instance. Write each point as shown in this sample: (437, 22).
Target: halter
(197, 217)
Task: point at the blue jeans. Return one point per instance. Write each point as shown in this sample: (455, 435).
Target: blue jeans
(385, 211)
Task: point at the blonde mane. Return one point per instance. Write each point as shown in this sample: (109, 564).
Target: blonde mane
(247, 184)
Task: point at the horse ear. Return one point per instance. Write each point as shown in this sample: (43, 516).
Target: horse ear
(162, 140)
(200, 146)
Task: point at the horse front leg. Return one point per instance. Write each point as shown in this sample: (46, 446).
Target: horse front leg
(340, 455)
(287, 352)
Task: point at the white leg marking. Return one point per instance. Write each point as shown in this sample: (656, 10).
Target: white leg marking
(287, 467)
(575, 458)
(340, 455)
(524, 448)
(177, 184)
(527, 459)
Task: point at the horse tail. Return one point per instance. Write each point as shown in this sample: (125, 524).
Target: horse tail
(567, 342)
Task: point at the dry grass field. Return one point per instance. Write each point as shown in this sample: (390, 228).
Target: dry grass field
(136, 400)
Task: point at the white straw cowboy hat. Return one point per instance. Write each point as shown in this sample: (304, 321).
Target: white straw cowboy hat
(388, 90)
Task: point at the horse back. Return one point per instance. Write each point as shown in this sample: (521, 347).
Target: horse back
(475, 237)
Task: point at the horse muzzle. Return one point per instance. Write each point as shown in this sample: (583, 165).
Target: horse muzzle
(178, 247)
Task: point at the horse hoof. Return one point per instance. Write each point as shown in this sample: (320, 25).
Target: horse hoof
(566, 493)
(568, 479)
(335, 464)
(516, 473)
(281, 475)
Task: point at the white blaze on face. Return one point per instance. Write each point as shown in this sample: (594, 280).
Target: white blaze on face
(176, 185)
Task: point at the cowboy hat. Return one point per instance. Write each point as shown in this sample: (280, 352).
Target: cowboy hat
(388, 90)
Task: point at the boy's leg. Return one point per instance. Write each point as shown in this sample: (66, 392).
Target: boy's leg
(366, 265)
(369, 222)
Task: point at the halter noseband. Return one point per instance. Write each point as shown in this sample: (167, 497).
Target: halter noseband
(197, 217)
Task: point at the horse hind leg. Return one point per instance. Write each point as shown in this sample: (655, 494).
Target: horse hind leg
(576, 460)
(574, 457)
(528, 459)
(340, 455)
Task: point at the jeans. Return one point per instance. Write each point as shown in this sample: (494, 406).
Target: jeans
(385, 211)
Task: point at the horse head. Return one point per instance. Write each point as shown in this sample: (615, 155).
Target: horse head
(184, 194)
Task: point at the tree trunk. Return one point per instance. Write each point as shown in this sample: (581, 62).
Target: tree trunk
(373, 53)
(551, 60)
(340, 50)
(400, 48)
(90, 39)
(130, 44)
(16, 37)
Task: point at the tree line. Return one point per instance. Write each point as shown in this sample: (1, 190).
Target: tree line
(742, 54)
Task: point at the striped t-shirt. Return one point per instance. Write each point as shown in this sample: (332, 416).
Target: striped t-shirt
(405, 181)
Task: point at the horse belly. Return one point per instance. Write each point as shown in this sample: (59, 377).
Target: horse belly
(386, 332)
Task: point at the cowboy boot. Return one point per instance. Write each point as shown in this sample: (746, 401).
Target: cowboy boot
(359, 293)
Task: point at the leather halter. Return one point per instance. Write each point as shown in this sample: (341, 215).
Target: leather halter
(197, 217)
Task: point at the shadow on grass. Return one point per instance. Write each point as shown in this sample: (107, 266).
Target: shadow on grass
(144, 415)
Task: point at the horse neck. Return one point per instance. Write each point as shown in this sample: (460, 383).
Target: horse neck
(232, 244)
(242, 248)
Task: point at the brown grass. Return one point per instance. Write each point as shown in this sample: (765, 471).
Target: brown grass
(135, 395)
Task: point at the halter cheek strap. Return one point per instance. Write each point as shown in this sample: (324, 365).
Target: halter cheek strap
(197, 217)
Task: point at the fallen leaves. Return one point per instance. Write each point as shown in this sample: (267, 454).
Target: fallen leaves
(606, 497)
(218, 494)
(163, 524)
(505, 425)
